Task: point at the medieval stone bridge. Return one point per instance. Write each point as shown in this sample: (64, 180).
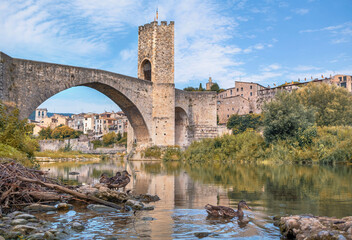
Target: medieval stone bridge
(29, 83)
(159, 114)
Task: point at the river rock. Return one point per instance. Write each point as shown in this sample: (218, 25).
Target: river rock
(312, 227)
(25, 216)
(148, 207)
(39, 208)
(19, 222)
(64, 206)
(24, 229)
(36, 236)
(147, 198)
(14, 214)
(136, 205)
(2, 238)
(100, 208)
(77, 226)
(48, 235)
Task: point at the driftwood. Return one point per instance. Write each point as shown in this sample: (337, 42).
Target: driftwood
(21, 186)
(71, 192)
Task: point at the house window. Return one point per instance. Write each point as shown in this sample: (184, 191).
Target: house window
(231, 92)
(344, 78)
(340, 78)
(250, 93)
(241, 95)
(242, 89)
(237, 89)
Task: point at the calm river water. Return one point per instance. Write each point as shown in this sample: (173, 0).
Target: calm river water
(184, 191)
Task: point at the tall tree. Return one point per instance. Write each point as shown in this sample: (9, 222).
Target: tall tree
(287, 118)
(200, 87)
(332, 105)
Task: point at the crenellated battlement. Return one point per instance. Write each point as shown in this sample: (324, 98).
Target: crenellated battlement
(155, 23)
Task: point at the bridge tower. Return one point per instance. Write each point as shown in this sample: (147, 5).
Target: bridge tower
(156, 64)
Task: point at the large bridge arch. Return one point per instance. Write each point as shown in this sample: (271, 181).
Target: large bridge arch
(30, 83)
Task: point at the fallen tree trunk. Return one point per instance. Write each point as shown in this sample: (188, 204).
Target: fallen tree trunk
(71, 192)
(48, 196)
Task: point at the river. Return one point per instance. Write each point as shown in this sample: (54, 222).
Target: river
(184, 191)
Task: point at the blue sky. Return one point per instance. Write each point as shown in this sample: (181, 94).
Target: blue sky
(268, 42)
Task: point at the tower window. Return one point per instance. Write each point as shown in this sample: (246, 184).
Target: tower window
(147, 70)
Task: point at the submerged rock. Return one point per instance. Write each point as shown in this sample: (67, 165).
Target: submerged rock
(77, 226)
(101, 208)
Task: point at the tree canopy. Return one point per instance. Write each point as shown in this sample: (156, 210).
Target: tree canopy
(332, 105)
(240, 123)
(287, 118)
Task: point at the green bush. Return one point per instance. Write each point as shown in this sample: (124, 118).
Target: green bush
(15, 132)
(109, 138)
(152, 152)
(97, 144)
(286, 118)
(172, 154)
(240, 123)
(246, 146)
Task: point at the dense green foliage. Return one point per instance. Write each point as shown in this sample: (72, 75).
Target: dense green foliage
(240, 123)
(172, 154)
(248, 145)
(60, 132)
(110, 139)
(215, 87)
(332, 106)
(45, 133)
(287, 118)
(152, 152)
(330, 145)
(15, 133)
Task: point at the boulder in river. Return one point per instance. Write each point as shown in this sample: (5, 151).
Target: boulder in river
(311, 227)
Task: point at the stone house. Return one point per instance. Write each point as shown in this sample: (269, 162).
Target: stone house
(232, 100)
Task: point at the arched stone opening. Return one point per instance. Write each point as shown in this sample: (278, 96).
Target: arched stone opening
(146, 70)
(131, 111)
(181, 126)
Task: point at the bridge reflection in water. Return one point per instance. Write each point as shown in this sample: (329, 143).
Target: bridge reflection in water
(184, 190)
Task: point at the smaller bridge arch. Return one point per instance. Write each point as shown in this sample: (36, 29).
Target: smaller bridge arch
(181, 127)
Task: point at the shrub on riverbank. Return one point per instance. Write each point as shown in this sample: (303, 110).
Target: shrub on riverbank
(15, 134)
(331, 145)
(246, 146)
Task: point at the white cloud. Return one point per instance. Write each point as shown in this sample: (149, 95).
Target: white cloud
(301, 11)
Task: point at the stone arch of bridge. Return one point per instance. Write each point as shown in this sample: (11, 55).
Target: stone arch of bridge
(132, 112)
(181, 127)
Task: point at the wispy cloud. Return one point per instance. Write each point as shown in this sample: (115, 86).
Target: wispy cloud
(301, 11)
(341, 33)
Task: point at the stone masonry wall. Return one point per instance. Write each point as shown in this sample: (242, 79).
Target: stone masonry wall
(156, 43)
(77, 145)
(200, 108)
